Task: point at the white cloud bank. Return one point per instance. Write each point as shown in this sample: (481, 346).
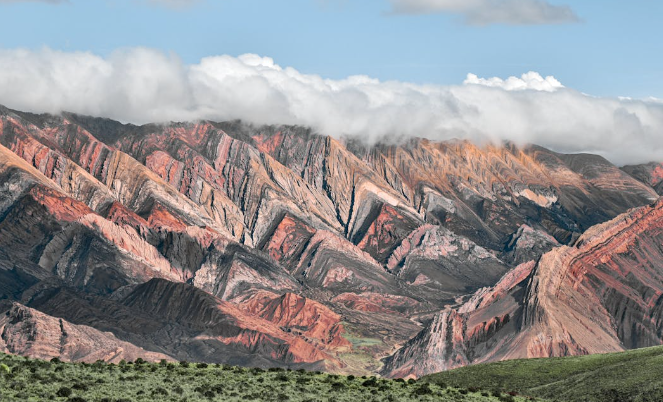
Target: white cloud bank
(486, 12)
(143, 85)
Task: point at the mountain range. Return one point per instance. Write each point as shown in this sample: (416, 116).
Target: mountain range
(275, 246)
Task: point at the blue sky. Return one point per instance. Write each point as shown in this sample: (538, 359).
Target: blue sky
(614, 50)
(570, 75)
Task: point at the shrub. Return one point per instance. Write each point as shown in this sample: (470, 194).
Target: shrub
(424, 389)
(159, 391)
(371, 382)
(506, 398)
(80, 387)
(201, 365)
(281, 377)
(411, 381)
(337, 386)
(4, 369)
(184, 363)
(76, 399)
(56, 360)
(140, 361)
(257, 370)
(463, 391)
(64, 392)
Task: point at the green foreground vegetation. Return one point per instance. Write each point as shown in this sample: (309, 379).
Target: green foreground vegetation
(633, 376)
(23, 379)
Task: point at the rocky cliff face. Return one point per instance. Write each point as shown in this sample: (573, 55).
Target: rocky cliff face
(273, 245)
(604, 294)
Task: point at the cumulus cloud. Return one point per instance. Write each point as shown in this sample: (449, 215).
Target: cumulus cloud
(143, 85)
(486, 12)
(530, 80)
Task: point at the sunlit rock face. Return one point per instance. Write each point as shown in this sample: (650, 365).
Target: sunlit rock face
(275, 246)
(604, 294)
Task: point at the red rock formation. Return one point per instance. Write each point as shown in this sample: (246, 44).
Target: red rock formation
(286, 243)
(265, 328)
(603, 295)
(28, 332)
(299, 315)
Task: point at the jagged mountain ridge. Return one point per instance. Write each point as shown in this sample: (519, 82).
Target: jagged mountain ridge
(267, 218)
(605, 294)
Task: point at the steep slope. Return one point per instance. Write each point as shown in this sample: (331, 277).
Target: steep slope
(246, 183)
(28, 332)
(603, 295)
(43, 232)
(188, 324)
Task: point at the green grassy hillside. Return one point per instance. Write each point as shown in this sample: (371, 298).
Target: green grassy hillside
(35, 380)
(633, 376)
